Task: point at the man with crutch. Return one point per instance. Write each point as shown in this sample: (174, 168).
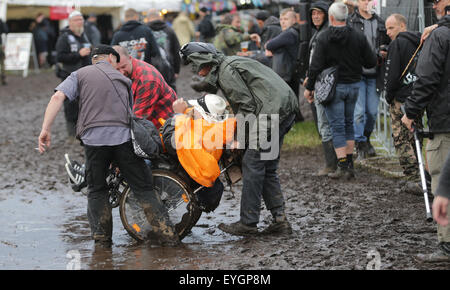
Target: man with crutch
(431, 91)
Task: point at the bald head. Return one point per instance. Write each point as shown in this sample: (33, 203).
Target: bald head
(395, 24)
(131, 14)
(153, 14)
(125, 66)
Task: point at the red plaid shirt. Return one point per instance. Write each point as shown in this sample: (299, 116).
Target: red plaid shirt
(153, 97)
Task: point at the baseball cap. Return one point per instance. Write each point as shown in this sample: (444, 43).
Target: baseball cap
(105, 49)
(75, 13)
(262, 15)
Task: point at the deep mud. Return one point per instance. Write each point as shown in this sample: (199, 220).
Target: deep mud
(337, 225)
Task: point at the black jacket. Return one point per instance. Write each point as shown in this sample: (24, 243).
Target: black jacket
(270, 29)
(344, 47)
(382, 39)
(166, 38)
(285, 49)
(316, 30)
(431, 90)
(3, 29)
(138, 39)
(206, 29)
(67, 48)
(399, 54)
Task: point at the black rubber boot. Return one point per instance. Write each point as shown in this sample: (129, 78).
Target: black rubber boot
(330, 158)
(370, 149)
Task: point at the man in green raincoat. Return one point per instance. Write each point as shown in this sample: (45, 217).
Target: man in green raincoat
(265, 108)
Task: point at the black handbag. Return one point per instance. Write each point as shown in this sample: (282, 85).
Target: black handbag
(325, 86)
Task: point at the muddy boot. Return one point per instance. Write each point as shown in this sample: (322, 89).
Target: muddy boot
(442, 254)
(361, 150)
(280, 226)
(330, 159)
(413, 187)
(370, 149)
(239, 229)
(342, 171)
(351, 165)
(162, 232)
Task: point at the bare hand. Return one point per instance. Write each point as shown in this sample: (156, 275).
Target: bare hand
(408, 123)
(440, 214)
(84, 51)
(309, 96)
(179, 106)
(44, 140)
(427, 31)
(269, 53)
(305, 82)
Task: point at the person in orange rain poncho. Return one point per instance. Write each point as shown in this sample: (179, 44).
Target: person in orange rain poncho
(197, 135)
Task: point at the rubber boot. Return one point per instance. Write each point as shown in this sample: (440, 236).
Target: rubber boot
(330, 159)
(370, 150)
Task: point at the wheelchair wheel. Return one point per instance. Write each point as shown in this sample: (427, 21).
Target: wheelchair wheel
(177, 198)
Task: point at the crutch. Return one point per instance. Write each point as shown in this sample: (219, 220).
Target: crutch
(422, 175)
(421, 170)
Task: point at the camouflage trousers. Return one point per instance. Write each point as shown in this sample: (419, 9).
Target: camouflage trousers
(404, 142)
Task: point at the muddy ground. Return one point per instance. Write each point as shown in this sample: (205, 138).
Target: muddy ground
(368, 222)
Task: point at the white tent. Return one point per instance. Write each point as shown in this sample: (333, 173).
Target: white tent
(24, 8)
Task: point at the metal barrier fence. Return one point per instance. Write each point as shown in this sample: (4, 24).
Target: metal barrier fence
(382, 134)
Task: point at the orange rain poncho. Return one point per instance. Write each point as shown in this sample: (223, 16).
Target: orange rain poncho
(199, 146)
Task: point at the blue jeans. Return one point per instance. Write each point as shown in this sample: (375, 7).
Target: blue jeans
(366, 108)
(322, 123)
(340, 113)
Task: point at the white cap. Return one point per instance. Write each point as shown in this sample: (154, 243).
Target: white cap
(75, 13)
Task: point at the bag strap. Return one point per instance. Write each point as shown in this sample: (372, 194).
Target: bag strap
(130, 112)
(410, 61)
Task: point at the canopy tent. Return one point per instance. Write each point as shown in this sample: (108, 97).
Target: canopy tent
(16, 9)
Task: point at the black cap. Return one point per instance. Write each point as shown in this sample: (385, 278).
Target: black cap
(105, 49)
(204, 9)
(262, 15)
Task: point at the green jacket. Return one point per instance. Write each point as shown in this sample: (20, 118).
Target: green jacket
(228, 39)
(249, 86)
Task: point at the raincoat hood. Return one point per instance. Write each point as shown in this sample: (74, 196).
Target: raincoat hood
(411, 36)
(157, 25)
(324, 8)
(130, 25)
(198, 60)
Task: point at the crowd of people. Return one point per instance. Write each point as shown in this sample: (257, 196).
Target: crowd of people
(259, 70)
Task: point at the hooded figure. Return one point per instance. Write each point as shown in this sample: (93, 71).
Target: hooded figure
(322, 6)
(252, 90)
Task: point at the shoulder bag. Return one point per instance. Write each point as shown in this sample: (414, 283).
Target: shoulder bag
(144, 135)
(325, 86)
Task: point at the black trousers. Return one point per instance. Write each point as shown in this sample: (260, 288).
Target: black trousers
(138, 176)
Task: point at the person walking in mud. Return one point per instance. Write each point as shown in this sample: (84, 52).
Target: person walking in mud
(398, 85)
(72, 52)
(104, 128)
(342, 46)
(250, 88)
(432, 91)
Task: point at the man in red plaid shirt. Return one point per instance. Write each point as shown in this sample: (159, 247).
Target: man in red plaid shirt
(153, 97)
